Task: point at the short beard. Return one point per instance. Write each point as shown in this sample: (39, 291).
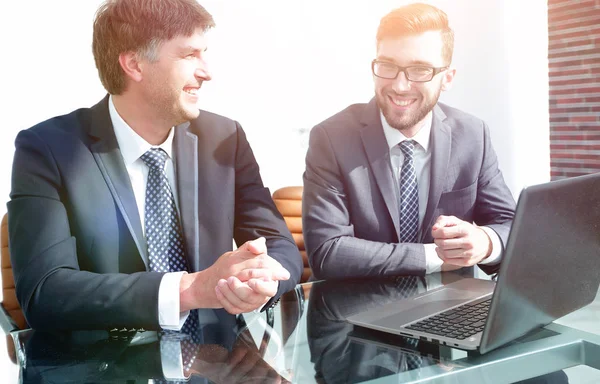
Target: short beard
(401, 124)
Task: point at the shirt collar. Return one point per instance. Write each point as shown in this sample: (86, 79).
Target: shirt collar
(395, 137)
(132, 145)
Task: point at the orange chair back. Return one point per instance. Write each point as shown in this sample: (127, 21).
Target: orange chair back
(289, 203)
(9, 297)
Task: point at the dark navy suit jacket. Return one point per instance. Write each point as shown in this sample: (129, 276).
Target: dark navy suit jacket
(77, 248)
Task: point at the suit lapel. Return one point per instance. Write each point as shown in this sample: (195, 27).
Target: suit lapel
(441, 140)
(186, 168)
(108, 156)
(378, 154)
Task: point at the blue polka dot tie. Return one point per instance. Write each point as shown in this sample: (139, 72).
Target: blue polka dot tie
(409, 196)
(165, 240)
(163, 231)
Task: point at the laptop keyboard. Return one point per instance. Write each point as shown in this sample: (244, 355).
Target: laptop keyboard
(458, 323)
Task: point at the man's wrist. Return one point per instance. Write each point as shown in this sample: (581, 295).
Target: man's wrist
(490, 245)
(187, 297)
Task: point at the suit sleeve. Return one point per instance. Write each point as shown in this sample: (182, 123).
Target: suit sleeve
(333, 249)
(495, 205)
(52, 290)
(256, 215)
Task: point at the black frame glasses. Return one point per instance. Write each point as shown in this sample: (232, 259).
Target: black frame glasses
(414, 73)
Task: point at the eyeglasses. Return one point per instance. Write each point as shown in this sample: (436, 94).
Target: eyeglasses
(414, 73)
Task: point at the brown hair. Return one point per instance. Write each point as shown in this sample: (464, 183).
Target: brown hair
(140, 26)
(417, 18)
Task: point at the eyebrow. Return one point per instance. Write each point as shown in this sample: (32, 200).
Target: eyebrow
(189, 48)
(414, 62)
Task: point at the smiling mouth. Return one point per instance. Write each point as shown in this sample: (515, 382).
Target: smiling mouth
(402, 102)
(191, 91)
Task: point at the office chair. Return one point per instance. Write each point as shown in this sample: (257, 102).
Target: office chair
(11, 315)
(289, 203)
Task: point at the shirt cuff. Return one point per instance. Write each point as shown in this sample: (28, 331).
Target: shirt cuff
(169, 316)
(433, 263)
(496, 255)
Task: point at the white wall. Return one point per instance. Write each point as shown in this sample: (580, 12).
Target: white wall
(301, 64)
(280, 67)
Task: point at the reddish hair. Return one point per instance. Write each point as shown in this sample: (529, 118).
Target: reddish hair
(417, 18)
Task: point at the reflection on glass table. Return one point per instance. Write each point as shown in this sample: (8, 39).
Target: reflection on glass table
(222, 351)
(344, 353)
(306, 339)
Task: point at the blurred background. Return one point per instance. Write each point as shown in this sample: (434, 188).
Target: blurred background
(281, 67)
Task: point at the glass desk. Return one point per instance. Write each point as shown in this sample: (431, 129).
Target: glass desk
(305, 339)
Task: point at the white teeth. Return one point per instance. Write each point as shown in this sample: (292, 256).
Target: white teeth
(191, 91)
(402, 103)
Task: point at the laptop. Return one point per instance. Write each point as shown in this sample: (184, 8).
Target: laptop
(550, 268)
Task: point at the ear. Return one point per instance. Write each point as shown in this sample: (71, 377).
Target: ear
(448, 78)
(131, 66)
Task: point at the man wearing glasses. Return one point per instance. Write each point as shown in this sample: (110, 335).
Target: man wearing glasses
(404, 184)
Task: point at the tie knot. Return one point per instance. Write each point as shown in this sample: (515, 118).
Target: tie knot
(155, 158)
(407, 147)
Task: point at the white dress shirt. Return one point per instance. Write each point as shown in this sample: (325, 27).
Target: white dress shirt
(422, 163)
(133, 146)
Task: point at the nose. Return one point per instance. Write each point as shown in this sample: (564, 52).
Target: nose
(202, 71)
(401, 83)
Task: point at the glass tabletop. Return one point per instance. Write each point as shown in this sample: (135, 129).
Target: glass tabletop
(304, 339)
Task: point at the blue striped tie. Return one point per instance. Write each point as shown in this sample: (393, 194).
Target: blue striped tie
(409, 196)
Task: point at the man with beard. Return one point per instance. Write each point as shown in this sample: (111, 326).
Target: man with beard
(404, 184)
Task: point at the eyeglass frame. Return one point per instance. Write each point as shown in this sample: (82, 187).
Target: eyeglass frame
(436, 71)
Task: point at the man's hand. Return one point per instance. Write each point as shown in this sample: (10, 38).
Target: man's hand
(252, 287)
(237, 297)
(460, 243)
(246, 264)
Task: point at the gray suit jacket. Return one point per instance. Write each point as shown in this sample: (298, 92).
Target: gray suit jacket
(77, 248)
(351, 217)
